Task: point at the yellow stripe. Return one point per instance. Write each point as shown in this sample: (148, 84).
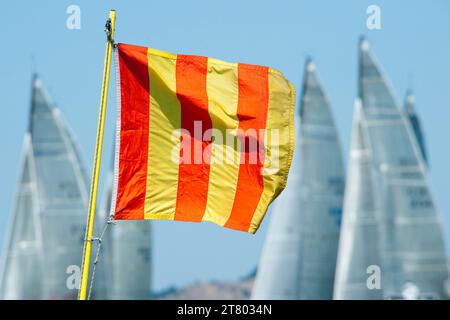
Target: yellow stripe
(279, 143)
(165, 118)
(222, 89)
(163, 54)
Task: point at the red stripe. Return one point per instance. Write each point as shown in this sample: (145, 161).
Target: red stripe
(135, 96)
(253, 103)
(193, 178)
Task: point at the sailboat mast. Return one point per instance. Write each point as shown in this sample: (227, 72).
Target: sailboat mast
(85, 265)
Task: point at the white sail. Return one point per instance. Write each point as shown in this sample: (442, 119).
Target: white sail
(126, 258)
(410, 240)
(131, 260)
(299, 254)
(21, 259)
(358, 245)
(45, 237)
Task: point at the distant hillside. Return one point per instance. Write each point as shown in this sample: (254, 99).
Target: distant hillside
(214, 290)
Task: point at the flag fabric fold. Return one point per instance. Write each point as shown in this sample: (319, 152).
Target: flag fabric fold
(199, 139)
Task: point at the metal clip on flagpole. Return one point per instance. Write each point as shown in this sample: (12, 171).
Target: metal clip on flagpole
(85, 266)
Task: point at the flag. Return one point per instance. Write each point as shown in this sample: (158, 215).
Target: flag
(199, 139)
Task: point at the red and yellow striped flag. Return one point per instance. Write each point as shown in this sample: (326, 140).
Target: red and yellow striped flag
(199, 139)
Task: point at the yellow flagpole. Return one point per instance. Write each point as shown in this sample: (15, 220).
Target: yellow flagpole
(85, 266)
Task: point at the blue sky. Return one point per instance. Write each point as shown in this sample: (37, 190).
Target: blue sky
(413, 46)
